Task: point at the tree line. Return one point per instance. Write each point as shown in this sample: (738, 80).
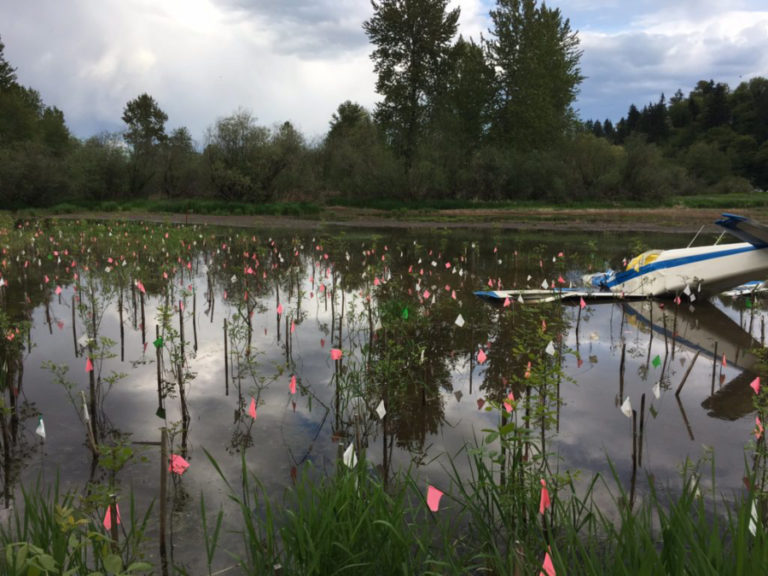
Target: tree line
(457, 119)
(717, 135)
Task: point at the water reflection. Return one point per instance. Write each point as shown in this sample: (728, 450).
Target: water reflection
(720, 340)
(186, 328)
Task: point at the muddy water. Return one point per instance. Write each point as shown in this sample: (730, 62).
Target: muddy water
(187, 328)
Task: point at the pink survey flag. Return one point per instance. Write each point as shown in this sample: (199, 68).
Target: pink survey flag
(508, 402)
(140, 286)
(755, 385)
(108, 517)
(582, 304)
(481, 357)
(178, 465)
(433, 498)
(58, 290)
(759, 428)
(544, 502)
(293, 384)
(547, 568)
(279, 309)
(88, 365)
(336, 354)
(252, 408)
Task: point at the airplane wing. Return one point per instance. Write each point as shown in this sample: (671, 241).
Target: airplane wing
(745, 229)
(541, 296)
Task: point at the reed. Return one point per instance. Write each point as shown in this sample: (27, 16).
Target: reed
(55, 532)
(349, 523)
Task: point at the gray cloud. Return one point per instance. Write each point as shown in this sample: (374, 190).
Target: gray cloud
(308, 28)
(635, 67)
(298, 60)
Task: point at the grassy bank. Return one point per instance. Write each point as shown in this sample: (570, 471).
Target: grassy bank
(389, 207)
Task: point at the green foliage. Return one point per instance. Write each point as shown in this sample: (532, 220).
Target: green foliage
(7, 72)
(145, 135)
(182, 174)
(412, 43)
(356, 162)
(146, 124)
(250, 163)
(716, 134)
(99, 168)
(646, 174)
(536, 56)
(57, 534)
(489, 121)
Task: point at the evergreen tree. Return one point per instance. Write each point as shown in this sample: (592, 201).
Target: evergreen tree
(608, 130)
(7, 72)
(653, 121)
(749, 103)
(716, 111)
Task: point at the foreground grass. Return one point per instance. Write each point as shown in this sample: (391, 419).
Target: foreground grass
(350, 523)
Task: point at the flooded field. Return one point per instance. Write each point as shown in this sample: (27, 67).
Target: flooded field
(317, 347)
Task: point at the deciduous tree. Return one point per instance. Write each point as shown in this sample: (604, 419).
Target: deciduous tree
(536, 57)
(236, 153)
(412, 39)
(145, 133)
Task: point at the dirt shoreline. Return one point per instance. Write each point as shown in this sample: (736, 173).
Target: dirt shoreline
(669, 220)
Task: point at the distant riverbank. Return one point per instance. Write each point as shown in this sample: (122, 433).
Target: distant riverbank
(683, 220)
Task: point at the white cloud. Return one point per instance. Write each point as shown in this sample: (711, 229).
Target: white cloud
(670, 50)
(298, 60)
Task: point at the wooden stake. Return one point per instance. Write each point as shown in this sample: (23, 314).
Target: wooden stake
(194, 319)
(163, 497)
(159, 362)
(74, 328)
(226, 361)
(687, 372)
(181, 327)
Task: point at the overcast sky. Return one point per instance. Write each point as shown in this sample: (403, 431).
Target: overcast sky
(298, 60)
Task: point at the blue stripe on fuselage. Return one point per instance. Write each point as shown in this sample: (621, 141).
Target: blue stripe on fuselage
(626, 275)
